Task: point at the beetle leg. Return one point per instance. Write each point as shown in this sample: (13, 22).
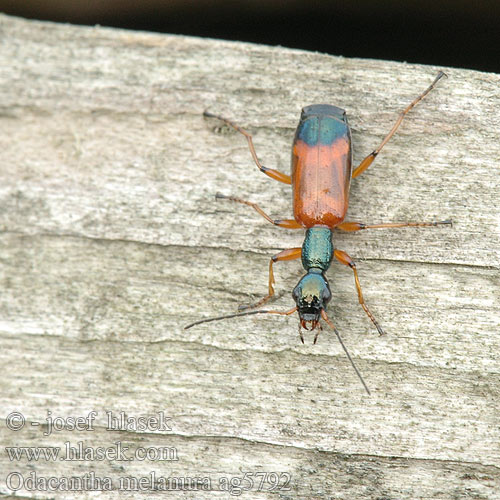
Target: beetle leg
(274, 174)
(288, 254)
(286, 223)
(369, 159)
(358, 226)
(344, 258)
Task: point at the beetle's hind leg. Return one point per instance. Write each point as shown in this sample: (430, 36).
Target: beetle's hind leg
(274, 174)
(369, 159)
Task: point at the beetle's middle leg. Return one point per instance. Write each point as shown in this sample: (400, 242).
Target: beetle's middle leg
(286, 223)
(358, 226)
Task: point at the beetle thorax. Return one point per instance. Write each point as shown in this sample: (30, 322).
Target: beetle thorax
(317, 249)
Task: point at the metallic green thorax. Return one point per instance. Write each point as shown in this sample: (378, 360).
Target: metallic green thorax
(317, 249)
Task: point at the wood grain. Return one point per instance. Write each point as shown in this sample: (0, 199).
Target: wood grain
(111, 240)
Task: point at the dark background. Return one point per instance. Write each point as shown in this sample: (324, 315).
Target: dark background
(456, 33)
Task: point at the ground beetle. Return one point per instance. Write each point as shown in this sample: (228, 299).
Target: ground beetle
(321, 175)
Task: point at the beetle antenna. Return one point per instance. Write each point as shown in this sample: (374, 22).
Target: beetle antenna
(235, 315)
(325, 317)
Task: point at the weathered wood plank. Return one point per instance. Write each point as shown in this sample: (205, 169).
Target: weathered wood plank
(111, 241)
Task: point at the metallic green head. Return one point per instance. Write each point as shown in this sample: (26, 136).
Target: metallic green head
(311, 295)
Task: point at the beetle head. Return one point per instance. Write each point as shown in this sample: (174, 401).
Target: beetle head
(311, 295)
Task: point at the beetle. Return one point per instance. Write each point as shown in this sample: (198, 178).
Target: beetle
(320, 178)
